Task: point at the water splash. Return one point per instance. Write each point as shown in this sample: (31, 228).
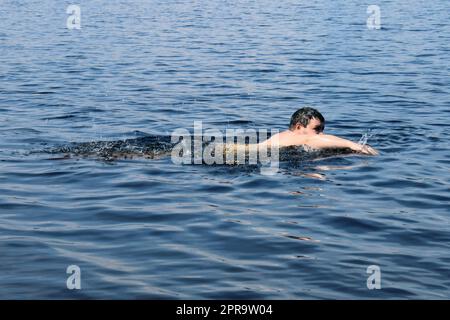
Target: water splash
(161, 146)
(365, 137)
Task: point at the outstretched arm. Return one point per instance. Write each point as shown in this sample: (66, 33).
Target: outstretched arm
(329, 141)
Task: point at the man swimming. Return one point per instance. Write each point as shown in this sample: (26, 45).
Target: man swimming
(306, 128)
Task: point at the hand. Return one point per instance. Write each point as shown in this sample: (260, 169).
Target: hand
(366, 149)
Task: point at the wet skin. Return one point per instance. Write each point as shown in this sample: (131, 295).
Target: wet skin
(312, 136)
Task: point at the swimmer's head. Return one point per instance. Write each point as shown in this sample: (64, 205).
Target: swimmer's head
(307, 121)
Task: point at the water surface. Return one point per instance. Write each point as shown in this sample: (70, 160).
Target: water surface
(148, 228)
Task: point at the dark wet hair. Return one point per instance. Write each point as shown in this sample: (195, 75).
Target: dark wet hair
(304, 115)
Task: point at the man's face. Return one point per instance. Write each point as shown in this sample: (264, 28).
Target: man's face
(313, 127)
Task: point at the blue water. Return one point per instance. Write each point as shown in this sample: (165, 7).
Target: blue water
(147, 228)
